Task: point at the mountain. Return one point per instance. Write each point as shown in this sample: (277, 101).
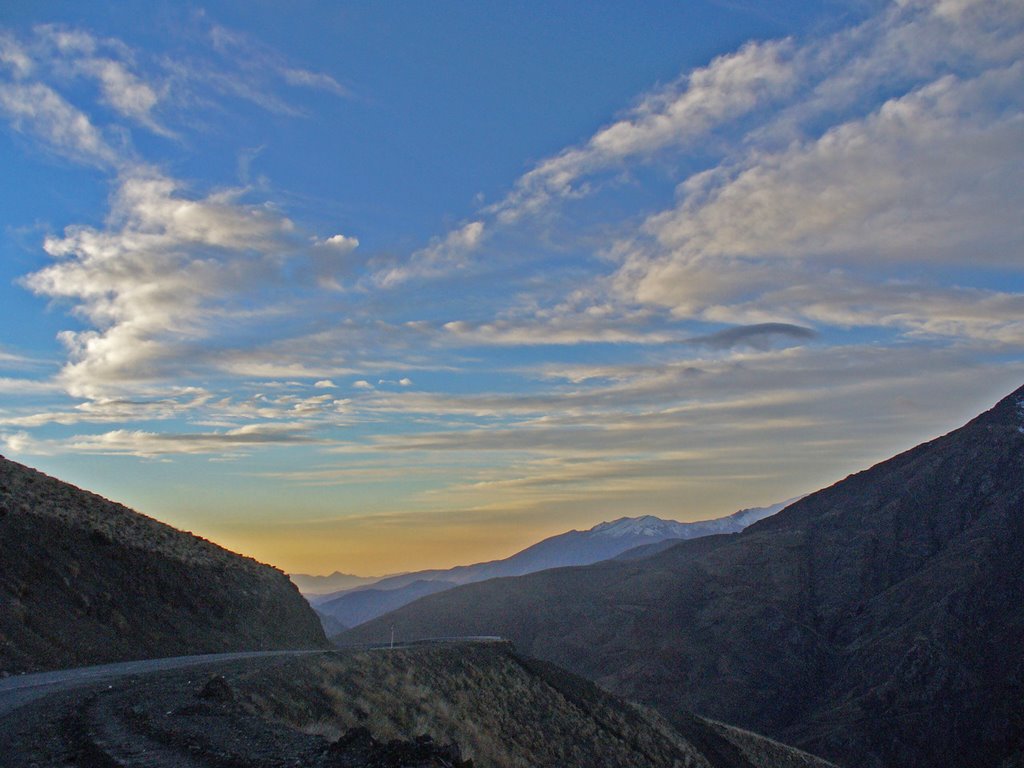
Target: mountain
(352, 607)
(336, 582)
(361, 605)
(878, 622)
(84, 581)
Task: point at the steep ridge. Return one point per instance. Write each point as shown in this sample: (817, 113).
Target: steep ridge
(84, 580)
(357, 605)
(877, 622)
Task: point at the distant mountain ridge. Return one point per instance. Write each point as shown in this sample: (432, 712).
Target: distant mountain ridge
(352, 607)
(335, 582)
(877, 622)
(84, 580)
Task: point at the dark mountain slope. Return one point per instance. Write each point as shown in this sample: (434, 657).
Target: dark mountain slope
(84, 580)
(878, 622)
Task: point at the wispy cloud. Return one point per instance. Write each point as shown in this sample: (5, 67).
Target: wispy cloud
(673, 116)
(153, 444)
(37, 109)
(836, 221)
(441, 257)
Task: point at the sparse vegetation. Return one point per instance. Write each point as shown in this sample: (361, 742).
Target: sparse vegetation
(84, 580)
(504, 711)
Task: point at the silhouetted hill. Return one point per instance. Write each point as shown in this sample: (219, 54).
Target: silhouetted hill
(878, 622)
(84, 580)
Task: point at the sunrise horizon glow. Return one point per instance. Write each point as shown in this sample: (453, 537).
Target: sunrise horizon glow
(375, 288)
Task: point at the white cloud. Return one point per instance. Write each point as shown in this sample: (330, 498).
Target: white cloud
(152, 282)
(109, 63)
(39, 110)
(147, 444)
(13, 55)
(123, 90)
(318, 80)
(340, 243)
(362, 384)
(441, 257)
(927, 179)
(249, 69)
(674, 116)
(328, 261)
(325, 384)
(28, 387)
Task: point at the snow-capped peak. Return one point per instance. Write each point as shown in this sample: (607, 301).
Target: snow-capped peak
(647, 526)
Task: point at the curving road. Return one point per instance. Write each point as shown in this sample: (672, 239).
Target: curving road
(18, 690)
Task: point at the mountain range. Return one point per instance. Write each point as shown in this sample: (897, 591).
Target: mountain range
(335, 582)
(877, 622)
(351, 607)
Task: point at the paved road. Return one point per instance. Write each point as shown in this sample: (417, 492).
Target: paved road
(19, 690)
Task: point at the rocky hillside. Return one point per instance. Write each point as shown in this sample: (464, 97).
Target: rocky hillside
(503, 710)
(84, 580)
(458, 705)
(878, 622)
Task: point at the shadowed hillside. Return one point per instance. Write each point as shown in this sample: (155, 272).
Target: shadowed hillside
(84, 580)
(503, 710)
(878, 622)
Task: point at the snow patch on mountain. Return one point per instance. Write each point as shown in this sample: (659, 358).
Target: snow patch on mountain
(641, 527)
(651, 527)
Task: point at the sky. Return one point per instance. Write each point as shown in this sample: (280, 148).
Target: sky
(375, 287)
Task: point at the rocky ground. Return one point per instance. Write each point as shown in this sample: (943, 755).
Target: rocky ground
(191, 719)
(450, 705)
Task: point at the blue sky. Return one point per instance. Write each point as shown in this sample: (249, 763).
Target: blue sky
(384, 286)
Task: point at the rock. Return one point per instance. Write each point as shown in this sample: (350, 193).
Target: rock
(217, 689)
(358, 749)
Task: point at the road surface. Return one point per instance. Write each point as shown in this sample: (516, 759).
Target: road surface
(18, 690)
